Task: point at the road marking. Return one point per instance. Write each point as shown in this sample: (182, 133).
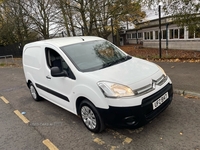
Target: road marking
(50, 145)
(22, 117)
(4, 99)
(127, 140)
(113, 147)
(99, 141)
(116, 135)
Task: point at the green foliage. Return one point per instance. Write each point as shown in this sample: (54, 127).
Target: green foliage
(2, 64)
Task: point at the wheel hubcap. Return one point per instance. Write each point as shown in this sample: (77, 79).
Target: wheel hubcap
(88, 117)
(33, 92)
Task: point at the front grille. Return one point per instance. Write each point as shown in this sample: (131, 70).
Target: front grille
(150, 87)
(147, 102)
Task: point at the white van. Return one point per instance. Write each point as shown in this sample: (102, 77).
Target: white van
(91, 77)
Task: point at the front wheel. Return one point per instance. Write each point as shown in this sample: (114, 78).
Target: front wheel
(34, 93)
(91, 117)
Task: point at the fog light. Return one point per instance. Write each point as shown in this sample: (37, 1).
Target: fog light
(131, 120)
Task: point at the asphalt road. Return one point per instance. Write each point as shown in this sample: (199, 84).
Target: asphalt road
(178, 127)
(185, 76)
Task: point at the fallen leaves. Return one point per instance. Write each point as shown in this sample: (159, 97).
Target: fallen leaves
(191, 97)
(169, 55)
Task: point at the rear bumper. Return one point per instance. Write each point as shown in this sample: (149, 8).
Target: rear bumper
(137, 116)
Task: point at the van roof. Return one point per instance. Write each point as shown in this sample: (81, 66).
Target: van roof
(66, 40)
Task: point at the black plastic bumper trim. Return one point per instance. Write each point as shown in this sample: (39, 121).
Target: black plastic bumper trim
(52, 92)
(116, 116)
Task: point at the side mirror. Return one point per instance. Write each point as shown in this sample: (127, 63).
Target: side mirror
(56, 72)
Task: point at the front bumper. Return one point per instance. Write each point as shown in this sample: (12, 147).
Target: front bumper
(137, 116)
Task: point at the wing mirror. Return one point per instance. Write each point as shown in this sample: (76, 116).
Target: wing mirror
(56, 72)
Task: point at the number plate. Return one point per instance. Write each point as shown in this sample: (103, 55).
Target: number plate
(159, 101)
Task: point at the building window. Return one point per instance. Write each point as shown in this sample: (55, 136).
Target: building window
(139, 35)
(175, 33)
(164, 34)
(194, 34)
(190, 34)
(156, 35)
(197, 33)
(171, 34)
(146, 35)
(181, 33)
(128, 36)
(134, 36)
(151, 35)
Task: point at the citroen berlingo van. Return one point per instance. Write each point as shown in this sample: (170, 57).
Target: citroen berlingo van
(96, 80)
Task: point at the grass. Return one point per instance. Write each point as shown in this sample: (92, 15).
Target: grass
(2, 64)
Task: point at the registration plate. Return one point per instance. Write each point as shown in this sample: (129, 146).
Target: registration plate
(159, 101)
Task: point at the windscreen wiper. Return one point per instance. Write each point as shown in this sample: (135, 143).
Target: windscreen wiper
(125, 58)
(109, 64)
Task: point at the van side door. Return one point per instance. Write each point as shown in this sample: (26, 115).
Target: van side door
(58, 89)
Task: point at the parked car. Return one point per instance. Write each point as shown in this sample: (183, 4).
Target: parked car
(93, 78)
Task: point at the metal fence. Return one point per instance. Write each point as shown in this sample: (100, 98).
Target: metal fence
(6, 59)
(15, 50)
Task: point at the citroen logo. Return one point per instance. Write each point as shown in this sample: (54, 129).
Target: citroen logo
(153, 84)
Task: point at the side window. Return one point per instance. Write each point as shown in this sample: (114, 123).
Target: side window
(54, 59)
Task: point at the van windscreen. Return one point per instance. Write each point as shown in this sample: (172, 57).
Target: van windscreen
(94, 55)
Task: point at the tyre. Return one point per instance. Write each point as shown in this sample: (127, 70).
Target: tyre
(34, 93)
(91, 117)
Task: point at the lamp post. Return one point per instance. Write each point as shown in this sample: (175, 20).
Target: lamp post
(160, 53)
(112, 31)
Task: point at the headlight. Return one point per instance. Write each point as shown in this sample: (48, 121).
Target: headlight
(115, 90)
(161, 69)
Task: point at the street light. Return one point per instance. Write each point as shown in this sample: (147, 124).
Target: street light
(160, 53)
(112, 31)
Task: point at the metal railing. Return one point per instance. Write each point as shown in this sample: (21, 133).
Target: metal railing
(6, 58)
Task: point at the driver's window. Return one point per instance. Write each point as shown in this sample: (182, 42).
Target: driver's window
(55, 60)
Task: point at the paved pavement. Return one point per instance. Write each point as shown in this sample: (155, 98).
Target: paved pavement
(184, 75)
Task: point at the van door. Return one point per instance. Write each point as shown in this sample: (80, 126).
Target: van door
(58, 89)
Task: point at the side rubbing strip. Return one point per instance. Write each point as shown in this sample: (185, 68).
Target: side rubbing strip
(52, 92)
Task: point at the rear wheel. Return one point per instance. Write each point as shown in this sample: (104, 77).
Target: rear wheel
(34, 93)
(91, 117)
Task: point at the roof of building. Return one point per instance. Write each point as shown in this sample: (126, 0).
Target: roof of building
(152, 23)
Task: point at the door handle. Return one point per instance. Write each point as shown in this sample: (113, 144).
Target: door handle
(48, 77)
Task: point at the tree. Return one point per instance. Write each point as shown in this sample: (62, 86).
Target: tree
(14, 25)
(184, 12)
(6, 27)
(125, 11)
(21, 20)
(43, 15)
(94, 16)
(67, 16)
